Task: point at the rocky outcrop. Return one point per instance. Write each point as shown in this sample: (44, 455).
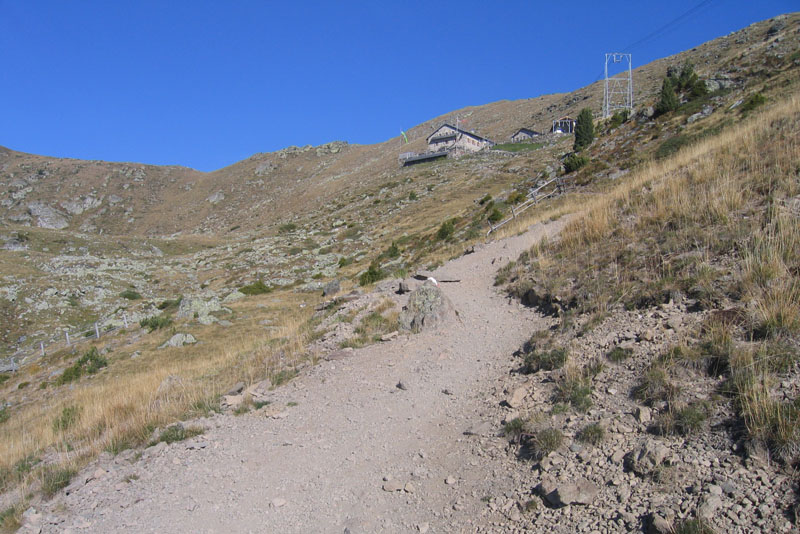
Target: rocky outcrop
(179, 340)
(47, 216)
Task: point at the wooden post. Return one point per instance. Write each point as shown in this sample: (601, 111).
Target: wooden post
(67, 334)
(125, 319)
(97, 330)
(41, 345)
(513, 213)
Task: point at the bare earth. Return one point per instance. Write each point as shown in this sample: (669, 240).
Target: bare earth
(321, 465)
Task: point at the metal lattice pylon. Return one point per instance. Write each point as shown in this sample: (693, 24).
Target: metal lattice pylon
(618, 92)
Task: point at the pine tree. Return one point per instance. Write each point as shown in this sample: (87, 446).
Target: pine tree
(669, 100)
(584, 130)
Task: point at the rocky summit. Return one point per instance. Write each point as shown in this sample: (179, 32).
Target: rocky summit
(346, 338)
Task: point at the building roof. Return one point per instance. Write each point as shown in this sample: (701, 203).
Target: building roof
(459, 130)
(526, 131)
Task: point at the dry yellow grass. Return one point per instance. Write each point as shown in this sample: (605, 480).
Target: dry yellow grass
(120, 407)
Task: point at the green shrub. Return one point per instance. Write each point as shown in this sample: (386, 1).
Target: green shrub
(281, 377)
(286, 228)
(446, 230)
(4, 414)
(23, 385)
(672, 145)
(69, 416)
(155, 323)
(655, 386)
(89, 363)
(618, 118)
(575, 388)
(496, 215)
(693, 526)
(4, 377)
(393, 251)
(516, 197)
(485, 199)
(543, 361)
(344, 261)
(130, 294)
(514, 429)
(256, 288)
(684, 421)
(752, 102)
(573, 162)
(371, 275)
(170, 304)
(412, 196)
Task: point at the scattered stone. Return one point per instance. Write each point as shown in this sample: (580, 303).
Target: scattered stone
(450, 481)
(331, 288)
(643, 414)
(409, 487)
(235, 390)
(645, 458)
(580, 492)
(179, 340)
(516, 398)
(390, 336)
(403, 288)
(393, 485)
(278, 502)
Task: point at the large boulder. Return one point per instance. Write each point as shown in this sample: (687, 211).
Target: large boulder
(427, 307)
(200, 309)
(179, 340)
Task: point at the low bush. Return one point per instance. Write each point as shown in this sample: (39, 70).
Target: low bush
(89, 363)
(495, 216)
(573, 162)
(256, 288)
(177, 432)
(575, 388)
(170, 304)
(752, 102)
(155, 323)
(373, 274)
(446, 230)
(130, 294)
(543, 360)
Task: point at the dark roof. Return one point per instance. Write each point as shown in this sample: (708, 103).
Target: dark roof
(418, 158)
(565, 118)
(459, 130)
(527, 131)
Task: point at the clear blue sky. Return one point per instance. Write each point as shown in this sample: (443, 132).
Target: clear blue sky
(205, 84)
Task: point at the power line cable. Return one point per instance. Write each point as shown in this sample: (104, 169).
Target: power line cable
(661, 30)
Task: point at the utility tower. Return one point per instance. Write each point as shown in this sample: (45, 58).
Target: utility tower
(618, 92)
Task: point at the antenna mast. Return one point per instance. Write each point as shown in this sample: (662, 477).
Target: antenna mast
(618, 91)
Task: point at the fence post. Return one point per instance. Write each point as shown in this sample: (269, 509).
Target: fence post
(41, 345)
(97, 330)
(125, 319)
(513, 213)
(67, 334)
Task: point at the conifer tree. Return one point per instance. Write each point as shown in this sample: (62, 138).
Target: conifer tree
(584, 130)
(669, 100)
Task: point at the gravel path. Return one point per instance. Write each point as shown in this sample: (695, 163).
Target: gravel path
(356, 453)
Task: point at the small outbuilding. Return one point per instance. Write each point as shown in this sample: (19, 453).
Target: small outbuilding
(564, 125)
(524, 134)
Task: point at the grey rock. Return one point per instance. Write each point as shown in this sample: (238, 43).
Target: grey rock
(393, 485)
(216, 197)
(47, 216)
(403, 288)
(516, 398)
(8, 365)
(658, 524)
(179, 340)
(233, 297)
(427, 307)
(236, 389)
(581, 491)
(331, 288)
(646, 457)
(195, 307)
(643, 414)
(709, 507)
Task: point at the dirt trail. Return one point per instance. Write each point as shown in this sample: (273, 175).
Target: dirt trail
(319, 466)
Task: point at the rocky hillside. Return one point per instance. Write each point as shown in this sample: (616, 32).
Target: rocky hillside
(231, 264)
